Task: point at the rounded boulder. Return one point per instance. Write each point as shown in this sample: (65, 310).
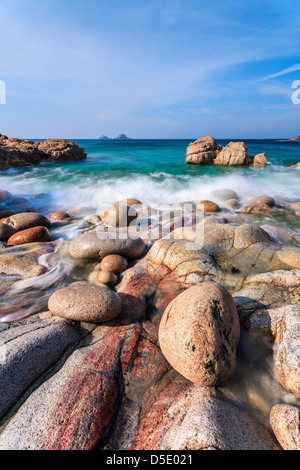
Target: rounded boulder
(199, 333)
(108, 278)
(208, 206)
(31, 235)
(82, 302)
(119, 215)
(91, 245)
(27, 220)
(59, 216)
(114, 263)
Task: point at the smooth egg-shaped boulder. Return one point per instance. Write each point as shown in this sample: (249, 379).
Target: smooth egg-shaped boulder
(27, 220)
(108, 278)
(6, 231)
(59, 216)
(199, 333)
(208, 206)
(222, 195)
(114, 263)
(91, 245)
(247, 234)
(119, 215)
(263, 199)
(83, 302)
(31, 235)
(131, 201)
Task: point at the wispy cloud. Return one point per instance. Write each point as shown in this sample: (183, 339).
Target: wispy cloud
(275, 89)
(143, 64)
(293, 68)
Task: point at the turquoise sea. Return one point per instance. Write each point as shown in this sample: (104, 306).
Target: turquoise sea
(155, 172)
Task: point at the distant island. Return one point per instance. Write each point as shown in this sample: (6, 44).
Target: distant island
(119, 137)
(295, 139)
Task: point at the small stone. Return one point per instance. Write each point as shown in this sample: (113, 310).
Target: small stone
(285, 422)
(31, 235)
(119, 216)
(231, 203)
(222, 195)
(108, 278)
(114, 263)
(199, 334)
(88, 303)
(208, 206)
(263, 199)
(260, 208)
(59, 216)
(6, 231)
(92, 245)
(27, 220)
(128, 202)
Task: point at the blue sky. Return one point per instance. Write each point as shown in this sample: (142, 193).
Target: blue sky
(150, 69)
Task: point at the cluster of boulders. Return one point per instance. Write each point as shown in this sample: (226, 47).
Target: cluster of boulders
(140, 346)
(16, 153)
(205, 151)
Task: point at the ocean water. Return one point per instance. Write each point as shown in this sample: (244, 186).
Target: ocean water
(155, 172)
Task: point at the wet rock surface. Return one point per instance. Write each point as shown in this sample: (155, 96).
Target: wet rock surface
(93, 371)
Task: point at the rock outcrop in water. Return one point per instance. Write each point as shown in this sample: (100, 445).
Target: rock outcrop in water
(94, 372)
(15, 153)
(205, 151)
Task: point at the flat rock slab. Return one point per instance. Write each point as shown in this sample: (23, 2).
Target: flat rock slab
(27, 350)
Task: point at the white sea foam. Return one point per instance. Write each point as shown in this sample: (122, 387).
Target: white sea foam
(156, 188)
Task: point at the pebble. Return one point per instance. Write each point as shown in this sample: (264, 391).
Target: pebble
(83, 302)
(31, 235)
(114, 263)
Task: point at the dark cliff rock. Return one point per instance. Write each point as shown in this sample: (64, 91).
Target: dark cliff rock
(16, 153)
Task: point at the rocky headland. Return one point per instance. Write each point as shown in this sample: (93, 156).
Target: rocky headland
(150, 330)
(15, 153)
(119, 137)
(205, 151)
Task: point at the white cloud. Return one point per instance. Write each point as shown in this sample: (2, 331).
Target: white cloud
(293, 68)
